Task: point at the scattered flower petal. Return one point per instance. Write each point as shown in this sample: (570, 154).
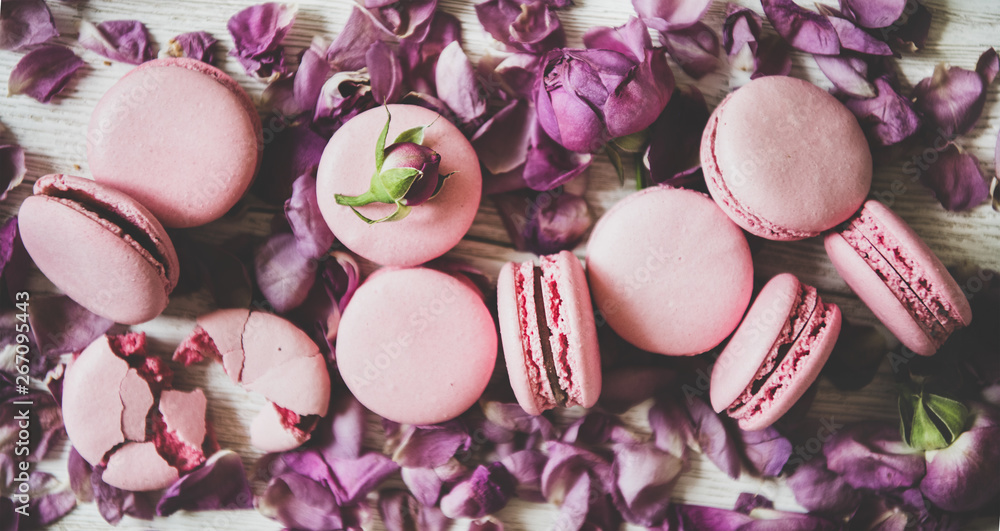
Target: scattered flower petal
(283, 275)
(196, 45)
(300, 503)
(848, 74)
(348, 51)
(355, 478)
(61, 326)
(342, 97)
(670, 15)
(289, 152)
(713, 437)
(856, 39)
(888, 118)
(631, 38)
(257, 33)
(746, 502)
(545, 222)
(766, 450)
(956, 180)
(420, 57)
(314, 69)
(114, 503)
(313, 238)
(400, 512)
(432, 446)
(385, 72)
(405, 19)
(644, 477)
(871, 455)
(43, 72)
(220, 484)
(25, 23)
(425, 485)
(457, 86)
(126, 41)
(526, 466)
(50, 500)
(819, 490)
(805, 30)
(672, 156)
(485, 492)
(339, 435)
(740, 33)
(671, 425)
(959, 477)
(12, 169)
(953, 98)
(874, 13)
(695, 49)
(531, 27)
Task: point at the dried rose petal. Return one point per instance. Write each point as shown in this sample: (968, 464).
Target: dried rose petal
(819, 490)
(747, 502)
(849, 74)
(670, 15)
(25, 23)
(644, 477)
(531, 27)
(196, 45)
(114, 503)
(313, 238)
(856, 39)
(405, 19)
(43, 72)
(289, 152)
(713, 437)
(631, 38)
(871, 455)
(955, 179)
(342, 97)
(355, 478)
(220, 484)
(695, 49)
(740, 33)
(79, 476)
(805, 30)
(424, 483)
(911, 30)
(420, 57)
(526, 466)
(400, 512)
(60, 326)
(597, 428)
(545, 222)
(457, 85)
(774, 57)
(959, 477)
(300, 503)
(485, 492)
(432, 446)
(50, 500)
(385, 72)
(888, 118)
(44, 424)
(282, 273)
(672, 155)
(119, 40)
(257, 34)
(953, 98)
(314, 69)
(12, 168)
(766, 450)
(874, 13)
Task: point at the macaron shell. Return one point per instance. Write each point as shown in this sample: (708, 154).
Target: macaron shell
(299, 384)
(750, 345)
(430, 229)
(871, 289)
(527, 378)
(268, 434)
(136, 399)
(92, 404)
(576, 327)
(416, 346)
(765, 167)
(270, 342)
(179, 136)
(138, 467)
(678, 288)
(184, 413)
(225, 328)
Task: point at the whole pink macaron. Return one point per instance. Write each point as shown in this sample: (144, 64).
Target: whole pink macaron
(784, 159)
(178, 135)
(101, 247)
(775, 354)
(271, 356)
(416, 346)
(120, 412)
(898, 276)
(669, 271)
(432, 228)
(548, 332)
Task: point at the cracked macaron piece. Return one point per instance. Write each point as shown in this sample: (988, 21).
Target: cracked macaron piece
(178, 135)
(776, 353)
(271, 356)
(100, 247)
(898, 276)
(120, 412)
(548, 333)
(784, 159)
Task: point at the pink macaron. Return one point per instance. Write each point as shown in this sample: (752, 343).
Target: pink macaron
(894, 272)
(416, 346)
(784, 159)
(548, 333)
(432, 228)
(775, 354)
(120, 412)
(271, 356)
(669, 271)
(178, 135)
(99, 246)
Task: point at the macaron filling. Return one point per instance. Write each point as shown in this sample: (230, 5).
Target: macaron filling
(903, 276)
(111, 217)
(788, 355)
(723, 194)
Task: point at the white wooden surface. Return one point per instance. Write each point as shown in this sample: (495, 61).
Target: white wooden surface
(53, 136)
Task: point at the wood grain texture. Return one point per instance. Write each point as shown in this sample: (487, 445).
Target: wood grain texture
(53, 136)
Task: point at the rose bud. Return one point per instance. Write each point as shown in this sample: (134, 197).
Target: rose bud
(422, 158)
(963, 476)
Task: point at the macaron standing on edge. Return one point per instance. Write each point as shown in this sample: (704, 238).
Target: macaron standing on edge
(784, 159)
(775, 354)
(178, 135)
(432, 228)
(548, 333)
(99, 246)
(679, 287)
(416, 346)
(898, 276)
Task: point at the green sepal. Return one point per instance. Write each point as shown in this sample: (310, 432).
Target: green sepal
(952, 414)
(397, 182)
(639, 181)
(414, 135)
(616, 161)
(633, 143)
(380, 144)
(925, 434)
(401, 212)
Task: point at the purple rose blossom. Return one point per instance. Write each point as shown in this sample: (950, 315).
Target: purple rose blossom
(43, 72)
(119, 40)
(196, 45)
(25, 23)
(257, 33)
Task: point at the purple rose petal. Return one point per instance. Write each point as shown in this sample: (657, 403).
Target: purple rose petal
(848, 74)
(871, 455)
(114, 503)
(289, 153)
(959, 477)
(43, 72)
(714, 438)
(526, 466)
(856, 39)
(320, 314)
(671, 425)
(25, 23)
(953, 98)
(544, 223)
(220, 484)
(196, 45)
(819, 490)
(283, 274)
(631, 38)
(314, 69)
(432, 446)
(670, 15)
(49, 501)
(45, 424)
(747, 502)
(740, 35)
(644, 477)
(486, 524)
(597, 428)
(300, 503)
(695, 49)
(888, 118)
(342, 97)
(566, 461)
(61, 326)
(386, 73)
(766, 450)
(774, 57)
(457, 85)
(12, 169)
(672, 155)
(406, 19)
(485, 492)
(257, 34)
(531, 27)
(339, 435)
(956, 179)
(357, 477)
(79, 476)
(424, 483)
(313, 238)
(400, 512)
(805, 30)
(874, 13)
(512, 417)
(349, 50)
(420, 58)
(126, 41)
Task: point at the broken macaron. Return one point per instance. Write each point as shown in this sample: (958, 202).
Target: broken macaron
(271, 356)
(121, 412)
